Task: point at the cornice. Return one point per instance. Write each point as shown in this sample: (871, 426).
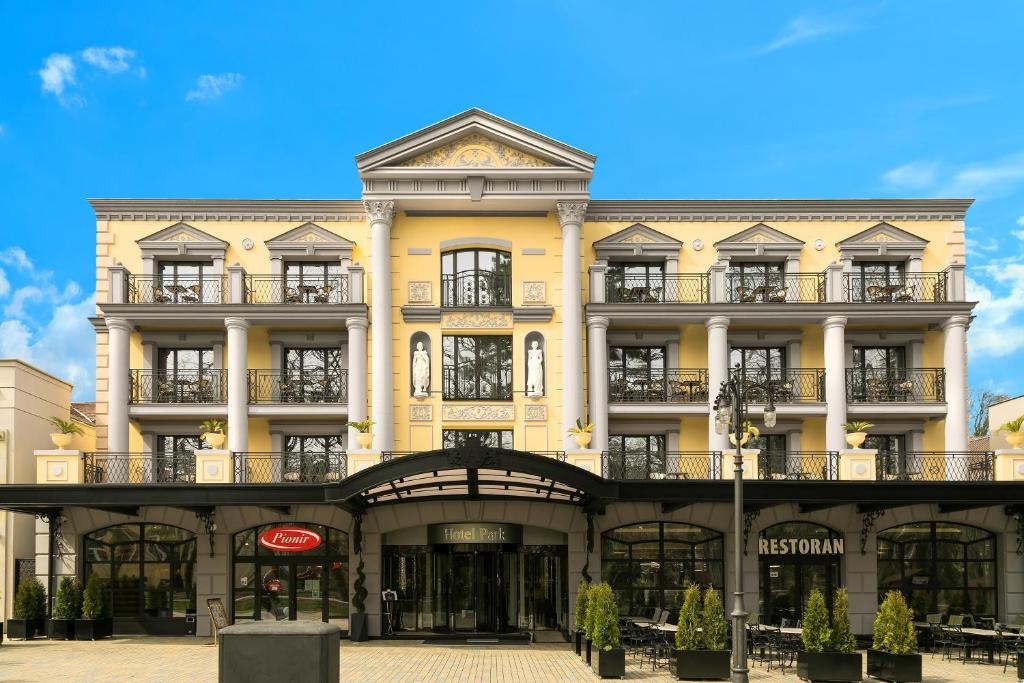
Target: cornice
(776, 209)
(228, 209)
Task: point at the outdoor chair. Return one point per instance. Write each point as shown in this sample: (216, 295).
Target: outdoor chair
(323, 295)
(1014, 651)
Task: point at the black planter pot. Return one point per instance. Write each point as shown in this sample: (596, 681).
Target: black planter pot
(609, 663)
(1020, 668)
(703, 665)
(358, 630)
(835, 667)
(94, 629)
(579, 644)
(587, 651)
(24, 629)
(894, 668)
(60, 629)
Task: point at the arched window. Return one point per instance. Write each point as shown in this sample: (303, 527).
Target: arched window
(149, 570)
(941, 568)
(649, 564)
(476, 277)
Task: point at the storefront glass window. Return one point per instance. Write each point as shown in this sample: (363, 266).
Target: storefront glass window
(796, 558)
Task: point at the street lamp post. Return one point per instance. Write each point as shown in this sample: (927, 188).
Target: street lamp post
(731, 413)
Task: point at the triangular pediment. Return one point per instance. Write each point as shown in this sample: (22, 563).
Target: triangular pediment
(309, 233)
(638, 240)
(760, 234)
(638, 233)
(181, 233)
(476, 151)
(884, 233)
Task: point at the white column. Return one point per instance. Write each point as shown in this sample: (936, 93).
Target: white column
(835, 382)
(381, 214)
(570, 215)
(118, 342)
(356, 374)
(597, 355)
(718, 372)
(954, 358)
(238, 384)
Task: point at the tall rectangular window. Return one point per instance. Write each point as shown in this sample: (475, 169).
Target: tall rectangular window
(308, 282)
(759, 362)
(186, 283)
(476, 277)
(477, 367)
(636, 282)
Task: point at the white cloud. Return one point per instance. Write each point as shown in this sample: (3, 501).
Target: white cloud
(915, 175)
(1020, 221)
(5, 285)
(213, 86)
(16, 256)
(113, 60)
(975, 179)
(57, 73)
(805, 28)
(997, 329)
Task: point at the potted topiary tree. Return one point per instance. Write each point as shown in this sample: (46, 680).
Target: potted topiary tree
(892, 655)
(29, 611)
(95, 622)
(820, 661)
(66, 608)
(700, 637)
(609, 660)
(580, 624)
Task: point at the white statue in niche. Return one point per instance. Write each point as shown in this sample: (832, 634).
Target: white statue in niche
(535, 370)
(420, 371)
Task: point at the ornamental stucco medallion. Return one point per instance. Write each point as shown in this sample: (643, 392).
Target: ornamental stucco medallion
(535, 292)
(420, 292)
(477, 413)
(472, 320)
(476, 151)
(421, 413)
(536, 413)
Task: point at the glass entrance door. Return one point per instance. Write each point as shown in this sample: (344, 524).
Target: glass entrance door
(276, 594)
(788, 585)
(474, 587)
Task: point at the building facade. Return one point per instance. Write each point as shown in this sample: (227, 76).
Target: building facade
(474, 304)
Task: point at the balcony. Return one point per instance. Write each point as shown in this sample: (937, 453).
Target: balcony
(672, 288)
(139, 468)
(298, 387)
(798, 465)
(658, 386)
(476, 288)
(298, 468)
(804, 385)
(661, 465)
(155, 289)
(279, 289)
(907, 385)
(904, 288)
(936, 466)
(178, 386)
(775, 289)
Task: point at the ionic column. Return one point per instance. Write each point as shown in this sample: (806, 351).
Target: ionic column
(381, 214)
(835, 382)
(119, 333)
(570, 215)
(718, 372)
(954, 358)
(356, 374)
(238, 384)
(597, 357)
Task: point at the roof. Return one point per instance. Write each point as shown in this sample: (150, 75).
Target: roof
(84, 412)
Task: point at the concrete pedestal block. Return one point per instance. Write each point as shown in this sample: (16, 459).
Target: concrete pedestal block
(214, 467)
(858, 464)
(586, 459)
(359, 460)
(1009, 464)
(750, 458)
(270, 652)
(59, 467)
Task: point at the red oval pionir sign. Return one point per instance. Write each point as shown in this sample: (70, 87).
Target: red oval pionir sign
(288, 539)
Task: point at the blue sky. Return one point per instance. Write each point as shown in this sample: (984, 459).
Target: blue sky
(754, 99)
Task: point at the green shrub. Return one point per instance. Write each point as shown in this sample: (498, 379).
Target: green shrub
(94, 601)
(894, 626)
(843, 639)
(603, 617)
(359, 591)
(581, 606)
(69, 599)
(713, 621)
(30, 602)
(688, 636)
(817, 634)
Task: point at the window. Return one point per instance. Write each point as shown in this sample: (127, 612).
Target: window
(648, 564)
(636, 373)
(879, 358)
(489, 438)
(773, 452)
(182, 376)
(186, 283)
(755, 282)
(878, 281)
(879, 374)
(176, 460)
(312, 376)
(312, 458)
(892, 454)
(185, 361)
(940, 567)
(636, 282)
(476, 277)
(635, 457)
(787, 578)
(477, 368)
(759, 362)
(307, 283)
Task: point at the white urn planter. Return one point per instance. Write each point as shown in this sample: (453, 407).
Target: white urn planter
(60, 440)
(1015, 439)
(365, 440)
(215, 440)
(855, 439)
(582, 439)
(743, 442)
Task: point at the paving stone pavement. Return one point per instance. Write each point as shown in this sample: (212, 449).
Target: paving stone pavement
(168, 660)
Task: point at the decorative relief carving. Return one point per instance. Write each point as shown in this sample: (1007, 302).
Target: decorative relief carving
(638, 238)
(881, 237)
(379, 209)
(536, 412)
(571, 212)
(421, 413)
(535, 292)
(476, 151)
(181, 237)
(470, 320)
(760, 238)
(310, 237)
(477, 413)
(420, 292)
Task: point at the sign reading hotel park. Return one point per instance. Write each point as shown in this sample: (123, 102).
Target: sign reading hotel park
(474, 533)
(288, 539)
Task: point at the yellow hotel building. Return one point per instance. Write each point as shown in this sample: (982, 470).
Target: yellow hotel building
(474, 303)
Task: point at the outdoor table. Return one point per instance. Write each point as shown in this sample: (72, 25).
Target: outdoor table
(641, 621)
(989, 642)
(668, 628)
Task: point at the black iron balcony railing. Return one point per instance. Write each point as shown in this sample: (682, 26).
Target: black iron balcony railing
(798, 465)
(139, 468)
(902, 288)
(157, 289)
(301, 468)
(179, 386)
(899, 385)
(658, 386)
(293, 386)
(936, 466)
(661, 465)
(481, 383)
(282, 289)
(775, 288)
(470, 288)
(671, 288)
(804, 385)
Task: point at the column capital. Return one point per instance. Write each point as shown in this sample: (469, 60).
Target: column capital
(118, 324)
(571, 212)
(597, 321)
(956, 321)
(834, 321)
(380, 210)
(717, 321)
(239, 323)
(357, 323)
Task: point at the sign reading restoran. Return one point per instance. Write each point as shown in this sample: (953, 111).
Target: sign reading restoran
(474, 533)
(800, 546)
